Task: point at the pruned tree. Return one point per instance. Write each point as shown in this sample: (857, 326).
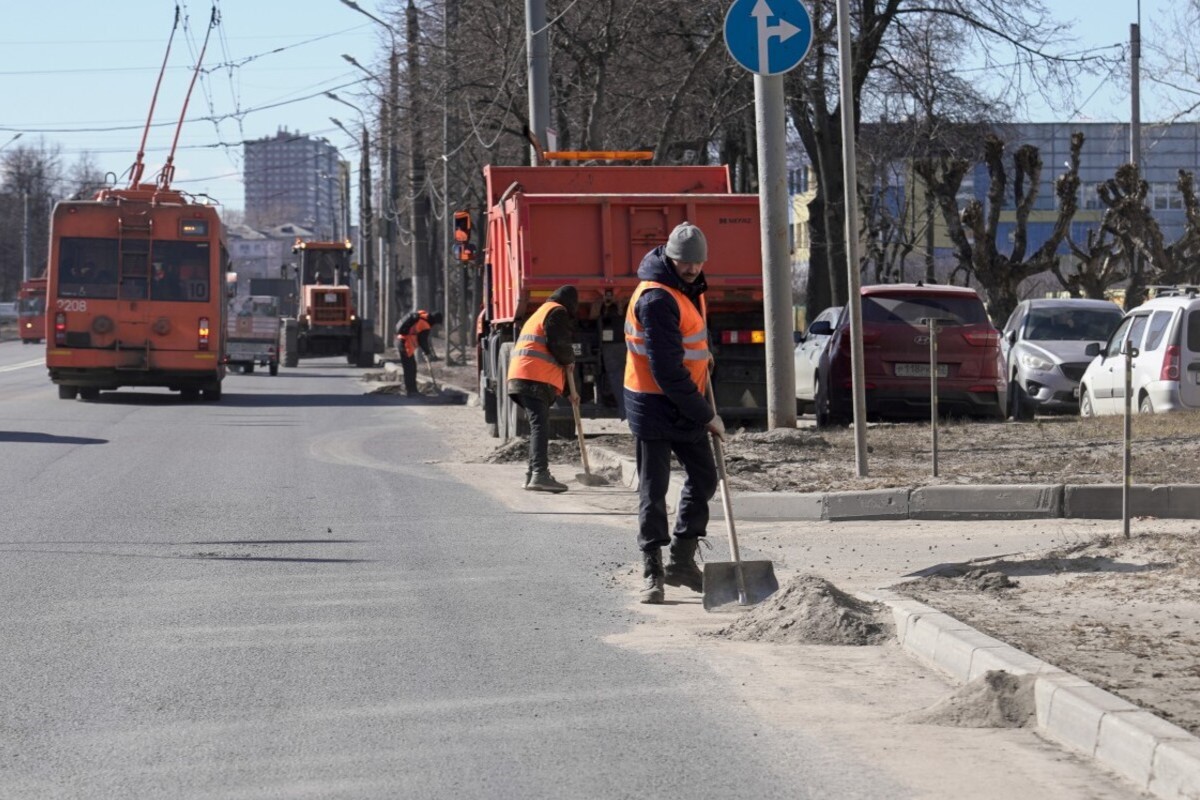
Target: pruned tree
(1014, 38)
(1132, 222)
(1099, 265)
(1000, 274)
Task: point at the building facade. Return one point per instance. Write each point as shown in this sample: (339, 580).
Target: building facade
(292, 178)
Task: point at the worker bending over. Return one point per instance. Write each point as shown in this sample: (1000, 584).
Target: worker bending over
(413, 331)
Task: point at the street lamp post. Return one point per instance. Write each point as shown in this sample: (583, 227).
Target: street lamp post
(390, 268)
(366, 221)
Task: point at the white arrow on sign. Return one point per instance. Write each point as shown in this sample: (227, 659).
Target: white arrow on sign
(783, 31)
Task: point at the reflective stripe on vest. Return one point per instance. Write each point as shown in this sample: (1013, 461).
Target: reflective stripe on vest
(692, 329)
(531, 359)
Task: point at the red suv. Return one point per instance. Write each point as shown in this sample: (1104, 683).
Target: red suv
(970, 367)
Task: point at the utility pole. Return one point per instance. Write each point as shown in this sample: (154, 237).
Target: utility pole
(454, 279)
(423, 274)
(537, 48)
(365, 221)
(391, 211)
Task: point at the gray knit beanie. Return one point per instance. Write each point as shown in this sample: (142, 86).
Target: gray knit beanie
(687, 244)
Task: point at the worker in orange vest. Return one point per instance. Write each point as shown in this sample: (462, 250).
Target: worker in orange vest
(537, 376)
(412, 332)
(667, 365)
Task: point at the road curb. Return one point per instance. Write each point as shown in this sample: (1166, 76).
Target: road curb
(995, 501)
(1159, 757)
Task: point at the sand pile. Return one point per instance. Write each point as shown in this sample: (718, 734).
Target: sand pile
(810, 610)
(996, 699)
(516, 451)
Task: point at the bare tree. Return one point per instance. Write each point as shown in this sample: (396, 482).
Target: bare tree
(30, 181)
(999, 274)
(1100, 263)
(1022, 31)
(1132, 222)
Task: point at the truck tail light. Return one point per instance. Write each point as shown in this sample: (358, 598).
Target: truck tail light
(982, 338)
(1170, 365)
(743, 337)
(60, 328)
(202, 334)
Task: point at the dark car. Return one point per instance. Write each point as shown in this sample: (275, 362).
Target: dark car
(971, 380)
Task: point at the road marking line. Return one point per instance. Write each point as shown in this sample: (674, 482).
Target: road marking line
(37, 362)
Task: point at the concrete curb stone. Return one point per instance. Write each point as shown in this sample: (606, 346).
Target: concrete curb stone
(1154, 754)
(996, 501)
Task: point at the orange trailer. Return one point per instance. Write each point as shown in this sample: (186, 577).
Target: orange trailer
(548, 226)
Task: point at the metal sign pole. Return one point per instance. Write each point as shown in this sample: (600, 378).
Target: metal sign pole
(1130, 353)
(932, 324)
(850, 185)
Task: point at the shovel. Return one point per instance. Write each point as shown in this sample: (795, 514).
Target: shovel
(432, 377)
(586, 478)
(726, 582)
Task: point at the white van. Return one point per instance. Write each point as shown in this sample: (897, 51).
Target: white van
(1165, 336)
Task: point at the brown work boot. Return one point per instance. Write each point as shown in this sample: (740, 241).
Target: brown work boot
(652, 571)
(543, 481)
(681, 566)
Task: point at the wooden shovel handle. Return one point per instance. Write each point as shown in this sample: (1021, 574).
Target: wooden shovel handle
(578, 421)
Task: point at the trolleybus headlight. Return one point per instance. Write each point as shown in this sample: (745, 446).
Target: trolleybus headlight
(161, 326)
(102, 325)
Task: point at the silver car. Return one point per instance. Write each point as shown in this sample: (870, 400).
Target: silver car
(1044, 344)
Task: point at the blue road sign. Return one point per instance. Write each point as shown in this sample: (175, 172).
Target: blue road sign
(769, 37)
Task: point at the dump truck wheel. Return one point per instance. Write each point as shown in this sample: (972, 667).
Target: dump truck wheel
(67, 392)
(502, 398)
(291, 343)
(487, 399)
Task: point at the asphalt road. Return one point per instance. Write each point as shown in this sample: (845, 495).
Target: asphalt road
(284, 595)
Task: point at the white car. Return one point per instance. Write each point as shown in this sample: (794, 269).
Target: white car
(808, 353)
(1165, 336)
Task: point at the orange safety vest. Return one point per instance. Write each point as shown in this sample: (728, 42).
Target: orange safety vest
(531, 359)
(693, 329)
(418, 327)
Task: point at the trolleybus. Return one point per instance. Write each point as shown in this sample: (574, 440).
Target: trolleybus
(136, 289)
(31, 310)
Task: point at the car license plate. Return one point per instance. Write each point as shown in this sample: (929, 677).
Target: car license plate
(920, 370)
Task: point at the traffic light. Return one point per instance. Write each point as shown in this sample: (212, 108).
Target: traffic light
(464, 251)
(462, 226)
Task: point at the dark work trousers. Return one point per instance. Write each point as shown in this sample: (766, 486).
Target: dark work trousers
(654, 471)
(409, 363)
(539, 431)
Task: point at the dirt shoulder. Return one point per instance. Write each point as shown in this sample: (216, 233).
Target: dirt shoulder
(1119, 613)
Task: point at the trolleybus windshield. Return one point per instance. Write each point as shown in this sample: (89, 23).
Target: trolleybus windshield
(177, 271)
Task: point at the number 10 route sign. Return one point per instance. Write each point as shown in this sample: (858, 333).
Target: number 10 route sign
(768, 37)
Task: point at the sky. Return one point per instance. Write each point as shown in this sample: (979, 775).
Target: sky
(79, 75)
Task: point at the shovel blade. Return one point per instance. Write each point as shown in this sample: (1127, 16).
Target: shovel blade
(588, 479)
(721, 586)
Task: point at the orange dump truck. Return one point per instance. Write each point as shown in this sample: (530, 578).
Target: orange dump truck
(548, 226)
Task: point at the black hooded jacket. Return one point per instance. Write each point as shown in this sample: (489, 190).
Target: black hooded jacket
(559, 325)
(682, 411)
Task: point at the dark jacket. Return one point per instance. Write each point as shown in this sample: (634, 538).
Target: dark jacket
(680, 413)
(560, 327)
(405, 325)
